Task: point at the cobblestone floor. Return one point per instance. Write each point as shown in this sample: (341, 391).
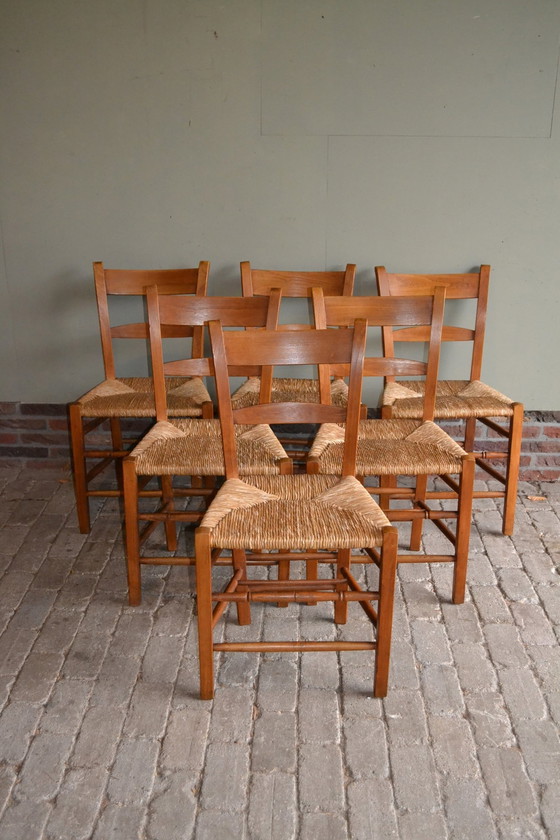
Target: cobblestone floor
(102, 735)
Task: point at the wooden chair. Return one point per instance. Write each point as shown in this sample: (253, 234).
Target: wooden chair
(308, 513)
(116, 398)
(467, 399)
(389, 448)
(190, 447)
(293, 284)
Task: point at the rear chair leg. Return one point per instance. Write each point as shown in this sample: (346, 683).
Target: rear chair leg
(132, 538)
(463, 533)
(387, 575)
(79, 467)
(204, 606)
(512, 470)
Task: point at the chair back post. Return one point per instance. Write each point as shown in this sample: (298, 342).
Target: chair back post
(434, 351)
(319, 315)
(156, 352)
(224, 399)
(267, 371)
(353, 413)
(104, 320)
(480, 322)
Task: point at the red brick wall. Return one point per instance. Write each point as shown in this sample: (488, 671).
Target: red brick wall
(36, 434)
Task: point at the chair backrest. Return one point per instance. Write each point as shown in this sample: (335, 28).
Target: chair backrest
(312, 347)
(108, 281)
(168, 316)
(406, 313)
(472, 286)
(296, 284)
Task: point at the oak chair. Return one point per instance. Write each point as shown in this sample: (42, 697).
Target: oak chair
(187, 446)
(467, 399)
(293, 284)
(295, 515)
(120, 398)
(389, 448)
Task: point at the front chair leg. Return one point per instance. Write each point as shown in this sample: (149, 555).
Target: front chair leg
(132, 538)
(204, 606)
(418, 522)
(462, 539)
(387, 576)
(239, 558)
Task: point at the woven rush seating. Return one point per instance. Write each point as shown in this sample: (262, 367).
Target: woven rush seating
(293, 284)
(190, 447)
(391, 448)
(472, 400)
(283, 519)
(117, 398)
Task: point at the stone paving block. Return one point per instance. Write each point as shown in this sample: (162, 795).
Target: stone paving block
(509, 790)
(98, 738)
(119, 821)
(491, 605)
(461, 622)
(453, 747)
(18, 724)
(173, 806)
(505, 646)
(76, 593)
(115, 681)
(480, 571)
(489, 719)
(365, 748)
(148, 710)
(101, 615)
(184, 744)
(357, 693)
(14, 586)
(36, 678)
(475, 670)
(77, 805)
(421, 601)
(422, 826)
(431, 643)
(540, 745)
(53, 573)
(404, 668)
(521, 694)
(173, 616)
(68, 541)
(516, 586)
(371, 810)
(86, 655)
(215, 825)
(44, 765)
(467, 813)
(132, 775)
(33, 609)
(321, 778)
(66, 706)
(550, 598)
(273, 807)
(320, 670)
(238, 669)
(501, 550)
(92, 557)
(533, 624)
(539, 567)
(414, 777)
(162, 659)
(24, 820)
(232, 714)
(131, 635)
(225, 778)
(278, 685)
(406, 717)
(7, 781)
(441, 690)
(319, 716)
(325, 826)
(274, 743)
(550, 809)
(12, 539)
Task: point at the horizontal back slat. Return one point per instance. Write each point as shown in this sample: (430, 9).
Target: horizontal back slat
(170, 281)
(297, 284)
(456, 285)
(423, 334)
(231, 311)
(379, 311)
(288, 348)
(290, 413)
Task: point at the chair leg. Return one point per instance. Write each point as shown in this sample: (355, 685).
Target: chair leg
(470, 434)
(385, 498)
(117, 443)
(132, 538)
(418, 523)
(387, 576)
(79, 467)
(463, 532)
(167, 501)
(204, 606)
(239, 558)
(341, 607)
(512, 470)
